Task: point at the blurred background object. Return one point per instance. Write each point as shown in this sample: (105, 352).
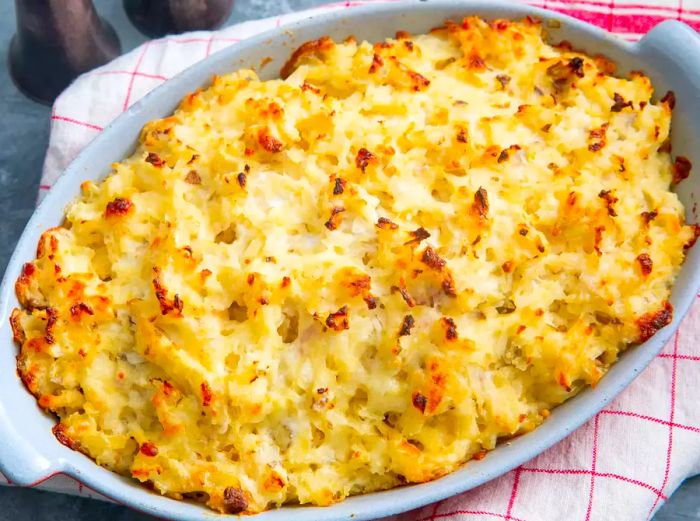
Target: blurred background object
(56, 41)
(160, 17)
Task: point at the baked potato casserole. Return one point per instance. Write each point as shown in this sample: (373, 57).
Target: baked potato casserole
(361, 275)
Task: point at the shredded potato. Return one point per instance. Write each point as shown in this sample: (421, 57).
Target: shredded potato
(359, 276)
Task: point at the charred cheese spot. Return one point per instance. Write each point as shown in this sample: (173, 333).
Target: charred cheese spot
(419, 402)
(118, 207)
(268, 142)
(669, 99)
(334, 220)
(339, 186)
(450, 328)
(377, 63)
(207, 395)
(149, 449)
(410, 301)
(610, 200)
(480, 206)
(619, 103)
(386, 224)
(79, 309)
(364, 158)
(645, 263)
(167, 305)
(650, 323)
(193, 178)
(418, 235)
(681, 169)
(154, 159)
(407, 325)
(432, 259)
(235, 500)
(340, 320)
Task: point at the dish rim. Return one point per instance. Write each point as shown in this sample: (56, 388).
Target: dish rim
(41, 462)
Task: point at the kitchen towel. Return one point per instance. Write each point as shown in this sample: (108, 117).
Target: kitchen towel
(624, 463)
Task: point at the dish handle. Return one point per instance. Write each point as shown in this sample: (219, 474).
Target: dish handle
(672, 44)
(26, 441)
(22, 465)
(672, 52)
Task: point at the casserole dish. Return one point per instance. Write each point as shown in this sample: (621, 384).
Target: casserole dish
(30, 451)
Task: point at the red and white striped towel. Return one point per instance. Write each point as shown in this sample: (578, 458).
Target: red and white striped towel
(639, 448)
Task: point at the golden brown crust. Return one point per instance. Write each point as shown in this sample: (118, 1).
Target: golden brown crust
(16, 324)
(650, 323)
(475, 198)
(268, 142)
(59, 430)
(313, 47)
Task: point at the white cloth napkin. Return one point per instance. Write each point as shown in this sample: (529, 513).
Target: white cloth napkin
(620, 466)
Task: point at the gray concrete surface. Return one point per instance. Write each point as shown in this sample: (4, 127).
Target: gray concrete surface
(24, 129)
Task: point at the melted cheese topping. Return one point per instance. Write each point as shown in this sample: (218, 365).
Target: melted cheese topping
(359, 276)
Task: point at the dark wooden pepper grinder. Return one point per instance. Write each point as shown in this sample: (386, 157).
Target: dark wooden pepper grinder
(56, 41)
(160, 17)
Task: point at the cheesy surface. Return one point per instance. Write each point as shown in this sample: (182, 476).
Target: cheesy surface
(359, 276)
